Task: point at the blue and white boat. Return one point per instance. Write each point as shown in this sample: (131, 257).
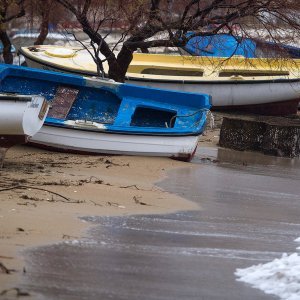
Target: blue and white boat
(89, 115)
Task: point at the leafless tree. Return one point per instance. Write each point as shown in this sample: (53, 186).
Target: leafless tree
(43, 9)
(41, 14)
(167, 23)
(9, 10)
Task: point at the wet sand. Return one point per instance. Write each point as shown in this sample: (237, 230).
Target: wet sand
(44, 193)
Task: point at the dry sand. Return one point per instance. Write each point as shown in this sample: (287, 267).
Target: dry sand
(43, 194)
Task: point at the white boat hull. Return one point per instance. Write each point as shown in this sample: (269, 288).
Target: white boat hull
(279, 96)
(234, 94)
(83, 141)
(21, 117)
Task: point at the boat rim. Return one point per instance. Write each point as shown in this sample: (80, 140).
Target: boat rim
(110, 131)
(141, 77)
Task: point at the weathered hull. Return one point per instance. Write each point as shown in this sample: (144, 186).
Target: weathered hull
(93, 142)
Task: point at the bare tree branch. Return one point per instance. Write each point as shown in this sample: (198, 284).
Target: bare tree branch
(150, 23)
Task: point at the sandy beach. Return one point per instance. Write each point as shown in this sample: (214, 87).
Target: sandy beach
(43, 194)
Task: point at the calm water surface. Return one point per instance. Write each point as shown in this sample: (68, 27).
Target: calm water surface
(250, 208)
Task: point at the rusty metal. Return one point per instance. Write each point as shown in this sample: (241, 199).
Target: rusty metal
(43, 110)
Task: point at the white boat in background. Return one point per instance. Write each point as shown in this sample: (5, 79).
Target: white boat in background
(263, 86)
(21, 117)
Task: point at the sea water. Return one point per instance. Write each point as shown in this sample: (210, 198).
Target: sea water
(249, 218)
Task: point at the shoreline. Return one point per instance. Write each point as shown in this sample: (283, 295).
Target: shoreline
(55, 189)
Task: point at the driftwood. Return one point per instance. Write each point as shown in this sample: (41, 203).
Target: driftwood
(32, 187)
(279, 136)
(18, 292)
(5, 270)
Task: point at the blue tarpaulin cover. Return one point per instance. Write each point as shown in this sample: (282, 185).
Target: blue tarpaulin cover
(225, 45)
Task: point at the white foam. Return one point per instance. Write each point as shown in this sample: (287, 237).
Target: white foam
(280, 277)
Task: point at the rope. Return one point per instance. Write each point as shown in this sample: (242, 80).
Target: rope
(211, 120)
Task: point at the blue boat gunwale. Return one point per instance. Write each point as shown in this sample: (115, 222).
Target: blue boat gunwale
(122, 90)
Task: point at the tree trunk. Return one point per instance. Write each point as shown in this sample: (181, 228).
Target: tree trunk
(124, 59)
(44, 25)
(115, 71)
(7, 55)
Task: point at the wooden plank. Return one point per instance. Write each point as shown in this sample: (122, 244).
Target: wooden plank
(62, 102)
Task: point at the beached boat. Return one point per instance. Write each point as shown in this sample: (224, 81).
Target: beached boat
(21, 116)
(263, 86)
(89, 115)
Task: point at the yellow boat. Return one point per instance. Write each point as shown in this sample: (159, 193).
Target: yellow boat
(269, 86)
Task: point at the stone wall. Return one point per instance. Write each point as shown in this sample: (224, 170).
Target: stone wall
(279, 136)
